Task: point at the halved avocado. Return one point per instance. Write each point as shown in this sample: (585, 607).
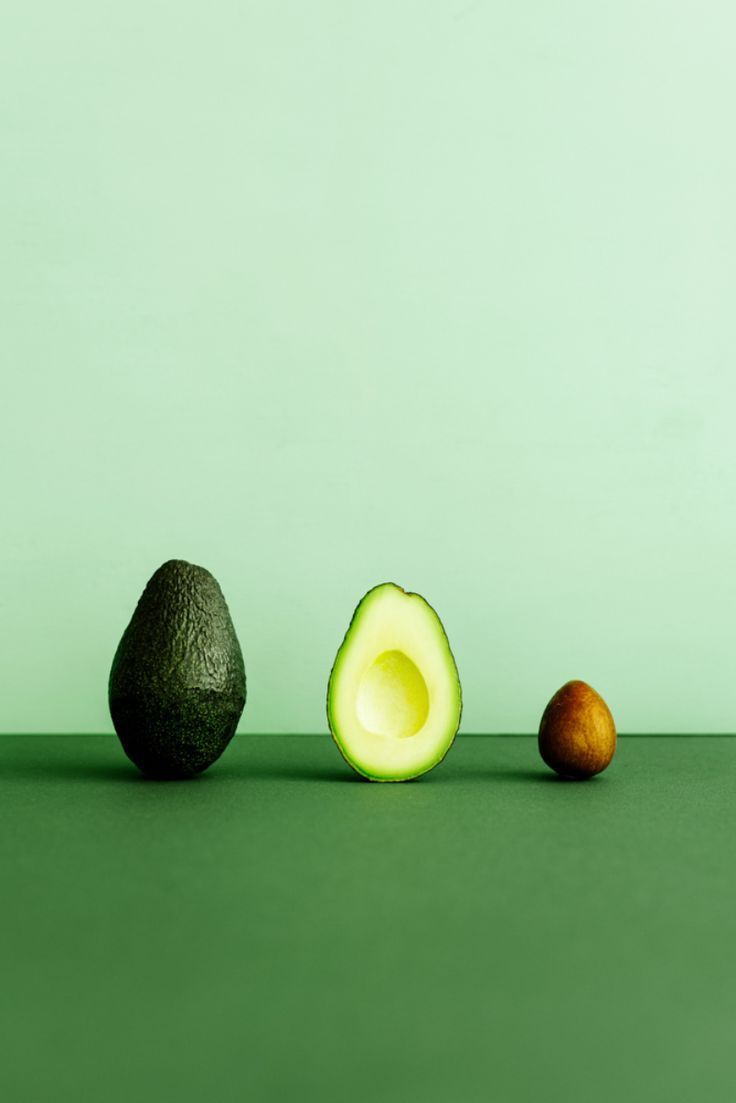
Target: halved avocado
(394, 699)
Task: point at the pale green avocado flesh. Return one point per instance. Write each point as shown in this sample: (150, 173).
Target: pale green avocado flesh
(394, 699)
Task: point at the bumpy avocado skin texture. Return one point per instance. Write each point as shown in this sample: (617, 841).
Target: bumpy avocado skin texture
(177, 683)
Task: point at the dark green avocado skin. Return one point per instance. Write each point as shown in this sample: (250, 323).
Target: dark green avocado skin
(177, 683)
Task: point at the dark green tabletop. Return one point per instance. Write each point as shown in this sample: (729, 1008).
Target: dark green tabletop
(280, 930)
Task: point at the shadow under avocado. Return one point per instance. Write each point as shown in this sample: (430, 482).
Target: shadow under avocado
(545, 776)
(28, 762)
(524, 776)
(459, 774)
(15, 768)
(244, 770)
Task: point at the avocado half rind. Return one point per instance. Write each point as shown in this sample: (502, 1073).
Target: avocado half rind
(394, 699)
(177, 684)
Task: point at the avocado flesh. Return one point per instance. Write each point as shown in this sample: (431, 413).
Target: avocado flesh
(177, 683)
(394, 699)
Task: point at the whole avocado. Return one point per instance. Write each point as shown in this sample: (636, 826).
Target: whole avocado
(177, 683)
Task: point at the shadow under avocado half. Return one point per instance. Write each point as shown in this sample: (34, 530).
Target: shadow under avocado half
(451, 773)
(244, 770)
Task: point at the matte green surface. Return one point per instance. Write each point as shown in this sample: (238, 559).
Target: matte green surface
(321, 292)
(280, 930)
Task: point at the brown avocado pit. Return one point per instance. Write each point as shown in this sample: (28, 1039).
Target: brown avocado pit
(577, 734)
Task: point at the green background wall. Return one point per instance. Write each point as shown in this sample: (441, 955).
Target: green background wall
(323, 294)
